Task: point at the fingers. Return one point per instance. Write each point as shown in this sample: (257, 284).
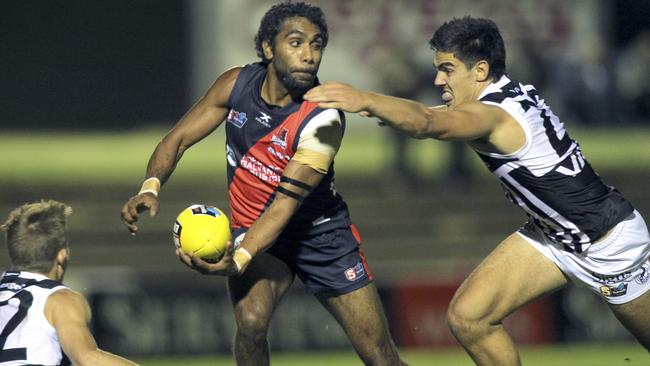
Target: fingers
(129, 217)
(136, 205)
(224, 266)
(332, 105)
(153, 208)
(184, 258)
(208, 268)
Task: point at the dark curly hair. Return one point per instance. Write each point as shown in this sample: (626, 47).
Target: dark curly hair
(471, 40)
(276, 16)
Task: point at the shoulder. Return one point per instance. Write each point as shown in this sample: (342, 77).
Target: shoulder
(319, 119)
(246, 72)
(228, 77)
(66, 304)
(320, 116)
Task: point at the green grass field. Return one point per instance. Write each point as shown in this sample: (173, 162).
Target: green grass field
(121, 157)
(576, 355)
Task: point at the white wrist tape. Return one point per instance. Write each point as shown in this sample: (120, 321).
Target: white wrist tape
(241, 257)
(151, 185)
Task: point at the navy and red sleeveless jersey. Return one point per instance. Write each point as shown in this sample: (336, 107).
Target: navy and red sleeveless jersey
(260, 141)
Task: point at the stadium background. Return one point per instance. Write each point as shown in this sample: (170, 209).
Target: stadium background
(89, 87)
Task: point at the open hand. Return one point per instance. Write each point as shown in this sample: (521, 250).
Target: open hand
(339, 96)
(135, 206)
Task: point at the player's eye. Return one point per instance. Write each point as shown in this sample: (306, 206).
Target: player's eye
(295, 43)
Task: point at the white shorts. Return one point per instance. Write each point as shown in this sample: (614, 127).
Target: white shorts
(617, 267)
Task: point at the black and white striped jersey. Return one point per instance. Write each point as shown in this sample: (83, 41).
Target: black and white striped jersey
(549, 177)
(26, 337)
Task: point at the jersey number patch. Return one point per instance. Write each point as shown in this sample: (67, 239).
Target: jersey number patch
(15, 354)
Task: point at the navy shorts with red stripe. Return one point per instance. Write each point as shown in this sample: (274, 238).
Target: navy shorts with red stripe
(331, 263)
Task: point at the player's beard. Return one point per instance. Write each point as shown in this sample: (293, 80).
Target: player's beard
(296, 86)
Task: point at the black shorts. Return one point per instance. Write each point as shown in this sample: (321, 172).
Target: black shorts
(330, 263)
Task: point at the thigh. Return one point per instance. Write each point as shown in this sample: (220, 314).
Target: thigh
(514, 274)
(257, 291)
(328, 263)
(635, 316)
(360, 313)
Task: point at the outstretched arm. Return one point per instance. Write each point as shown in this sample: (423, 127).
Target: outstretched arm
(467, 122)
(69, 314)
(203, 118)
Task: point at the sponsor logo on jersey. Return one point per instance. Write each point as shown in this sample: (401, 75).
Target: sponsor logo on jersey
(278, 154)
(643, 276)
(11, 286)
(264, 119)
(237, 118)
(355, 273)
(280, 138)
(609, 280)
(262, 171)
(614, 291)
(230, 156)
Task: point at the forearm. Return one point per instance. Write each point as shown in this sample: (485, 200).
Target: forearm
(98, 357)
(163, 160)
(265, 231)
(412, 118)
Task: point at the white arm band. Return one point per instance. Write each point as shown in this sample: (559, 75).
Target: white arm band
(150, 185)
(241, 257)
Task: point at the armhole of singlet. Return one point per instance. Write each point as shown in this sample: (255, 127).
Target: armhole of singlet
(524, 126)
(242, 79)
(49, 328)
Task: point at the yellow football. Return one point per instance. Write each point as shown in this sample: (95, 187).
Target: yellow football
(202, 230)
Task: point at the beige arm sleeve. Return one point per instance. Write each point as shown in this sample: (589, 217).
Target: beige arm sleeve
(320, 141)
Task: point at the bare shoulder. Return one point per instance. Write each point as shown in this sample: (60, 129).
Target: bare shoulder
(228, 77)
(231, 74)
(480, 108)
(222, 87)
(66, 297)
(64, 304)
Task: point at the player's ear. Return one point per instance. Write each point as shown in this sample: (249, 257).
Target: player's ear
(267, 47)
(62, 257)
(481, 70)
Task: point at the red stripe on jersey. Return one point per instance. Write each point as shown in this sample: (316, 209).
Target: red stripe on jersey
(261, 168)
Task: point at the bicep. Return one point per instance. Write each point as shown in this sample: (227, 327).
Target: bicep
(207, 114)
(468, 122)
(70, 314)
(298, 171)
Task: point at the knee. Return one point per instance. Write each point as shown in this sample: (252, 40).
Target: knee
(252, 322)
(467, 323)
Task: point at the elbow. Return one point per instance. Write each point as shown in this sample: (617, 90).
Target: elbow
(420, 135)
(427, 130)
(87, 358)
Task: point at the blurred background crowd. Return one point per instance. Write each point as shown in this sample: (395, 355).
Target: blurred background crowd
(115, 67)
